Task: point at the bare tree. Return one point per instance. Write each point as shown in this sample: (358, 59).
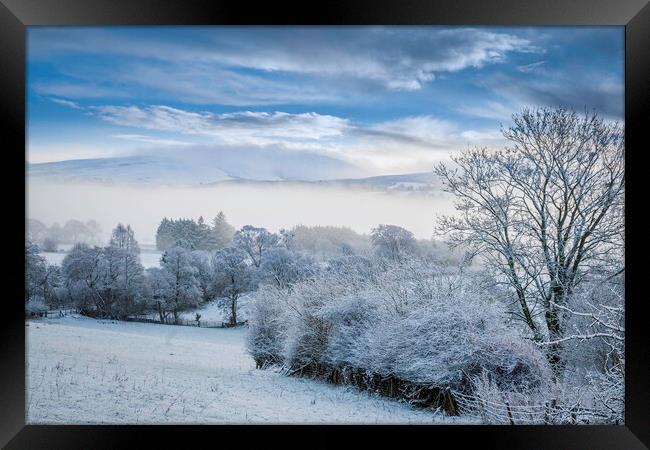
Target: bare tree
(545, 213)
(94, 231)
(75, 231)
(183, 291)
(232, 278)
(393, 242)
(255, 242)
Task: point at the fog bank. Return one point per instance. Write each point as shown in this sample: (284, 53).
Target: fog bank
(270, 206)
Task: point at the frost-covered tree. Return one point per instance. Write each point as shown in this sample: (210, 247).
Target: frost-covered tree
(36, 230)
(52, 287)
(594, 343)
(49, 245)
(222, 231)
(84, 272)
(94, 231)
(184, 290)
(268, 326)
(124, 272)
(543, 213)
(283, 267)
(288, 239)
(202, 262)
(75, 231)
(421, 327)
(232, 278)
(346, 249)
(205, 237)
(255, 242)
(356, 270)
(55, 232)
(325, 242)
(393, 242)
(197, 235)
(35, 270)
(160, 287)
(108, 281)
(164, 235)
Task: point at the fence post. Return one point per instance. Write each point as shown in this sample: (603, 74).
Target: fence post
(512, 422)
(546, 421)
(553, 409)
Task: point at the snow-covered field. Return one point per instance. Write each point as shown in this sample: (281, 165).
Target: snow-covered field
(54, 258)
(81, 370)
(150, 258)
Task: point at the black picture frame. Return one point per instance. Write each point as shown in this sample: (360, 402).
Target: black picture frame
(16, 15)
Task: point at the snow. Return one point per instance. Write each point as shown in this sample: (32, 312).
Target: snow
(54, 258)
(212, 312)
(148, 258)
(81, 371)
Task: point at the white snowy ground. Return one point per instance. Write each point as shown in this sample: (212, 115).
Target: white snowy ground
(82, 370)
(211, 311)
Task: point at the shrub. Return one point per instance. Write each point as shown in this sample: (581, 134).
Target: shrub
(408, 323)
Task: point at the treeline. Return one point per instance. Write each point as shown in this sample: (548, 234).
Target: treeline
(71, 232)
(110, 281)
(99, 281)
(321, 242)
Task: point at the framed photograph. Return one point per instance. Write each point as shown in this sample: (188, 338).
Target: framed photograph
(377, 214)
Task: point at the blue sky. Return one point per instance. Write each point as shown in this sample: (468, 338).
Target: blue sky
(387, 99)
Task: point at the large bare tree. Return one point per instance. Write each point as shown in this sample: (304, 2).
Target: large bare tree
(545, 213)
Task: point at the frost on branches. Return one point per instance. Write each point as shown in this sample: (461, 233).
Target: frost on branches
(408, 328)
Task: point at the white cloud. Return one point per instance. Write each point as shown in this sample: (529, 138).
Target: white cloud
(419, 130)
(532, 67)
(408, 144)
(77, 90)
(491, 110)
(577, 90)
(68, 103)
(245, 127)
(403, 59)
(260, 66)
(149, 139)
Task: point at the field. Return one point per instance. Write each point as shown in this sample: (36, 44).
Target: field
(82, 371)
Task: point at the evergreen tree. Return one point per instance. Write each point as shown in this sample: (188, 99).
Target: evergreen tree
(222, 231)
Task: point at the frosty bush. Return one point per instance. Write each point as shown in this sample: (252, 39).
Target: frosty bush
(409, 322)
(267, 326)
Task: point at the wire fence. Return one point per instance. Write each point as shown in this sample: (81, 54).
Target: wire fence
(525, 412)
(50, 313)
(185, 322)
(143, 319)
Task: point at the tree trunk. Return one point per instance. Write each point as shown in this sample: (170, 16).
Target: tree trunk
(160, 313)
(233, 311)
(554, 351)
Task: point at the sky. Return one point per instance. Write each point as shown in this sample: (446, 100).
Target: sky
(386, 100)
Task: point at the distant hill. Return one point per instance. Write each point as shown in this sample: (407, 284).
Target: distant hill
(269, 167)
(196, 166)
